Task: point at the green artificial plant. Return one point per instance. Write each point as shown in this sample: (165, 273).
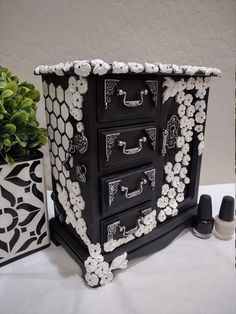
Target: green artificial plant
(20, 134)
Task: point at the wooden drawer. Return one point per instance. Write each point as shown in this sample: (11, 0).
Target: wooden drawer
(123, 228)
(126, 189)
(126, 98)
(124, 145)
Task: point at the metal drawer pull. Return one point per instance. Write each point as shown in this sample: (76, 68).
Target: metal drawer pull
(164, 142)
(129, 232)
(132, 103)
(132, 151)
(134, 193)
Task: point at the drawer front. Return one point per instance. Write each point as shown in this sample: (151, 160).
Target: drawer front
(127, 189)
(123, 228)
(126, 98)
(124, 145)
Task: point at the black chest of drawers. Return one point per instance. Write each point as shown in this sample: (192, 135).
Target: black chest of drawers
(125, 147)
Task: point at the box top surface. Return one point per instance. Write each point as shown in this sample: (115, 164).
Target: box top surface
(99, 67)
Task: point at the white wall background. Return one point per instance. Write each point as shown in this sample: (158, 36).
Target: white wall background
(199, 32)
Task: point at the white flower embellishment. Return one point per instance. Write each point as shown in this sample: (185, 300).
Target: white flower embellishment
(162, 202)
(95, 250)
(201, 92)
(165, 68)
(198, 128)
(200, 105)
(190, 83)
(151, 68)
(80, 127)
(72, 84)
(188, 100)
(106, 278)
(161, 216)
(100, 67)
(102, 269)
(82, 85)
(135, 67)
(181, 110)
(190, 111)
(119, 67)
(180, 97)
(200, 117)
(91, 279)
(165, 189)
(77, 100)
(90, 264)
(180, 141)
(201, 147)
(82, 68)
(168, 167)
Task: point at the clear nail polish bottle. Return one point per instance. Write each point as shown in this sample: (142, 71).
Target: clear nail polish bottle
(224, 222)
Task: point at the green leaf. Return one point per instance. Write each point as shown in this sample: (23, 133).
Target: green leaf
(6, 93)
(23, 144)
(22, 136)
(27, 102)
(7, 142)
(43, 139)
(12, 86)
(22, 91)
(33, 94)
(19, 118)
(10, 128)
(3, 76)
(2, 108)
(27, 85)
(34, 144)
(9, 159)
(2, 84)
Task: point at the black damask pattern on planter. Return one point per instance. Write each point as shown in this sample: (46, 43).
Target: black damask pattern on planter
(23, 217)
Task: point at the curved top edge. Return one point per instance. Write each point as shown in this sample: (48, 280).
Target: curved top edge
(100, 67)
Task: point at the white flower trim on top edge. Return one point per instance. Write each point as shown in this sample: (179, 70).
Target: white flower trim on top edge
(98, 66)
(176, 174)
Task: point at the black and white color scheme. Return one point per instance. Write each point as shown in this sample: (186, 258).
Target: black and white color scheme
(23, 216)
(126, 141)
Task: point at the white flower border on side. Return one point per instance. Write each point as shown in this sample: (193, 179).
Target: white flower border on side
(100, 67)
(98, 272)
(191, 117)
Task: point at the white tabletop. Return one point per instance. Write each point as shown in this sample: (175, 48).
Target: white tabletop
(189, 276)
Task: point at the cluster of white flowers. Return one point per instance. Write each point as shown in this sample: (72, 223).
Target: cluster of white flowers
(73, 203)
(112, 244)
(98, 66)
(77, 87)
(145, 225)
(176, 174)
(99, 272)
(192, 118)
(200, 117)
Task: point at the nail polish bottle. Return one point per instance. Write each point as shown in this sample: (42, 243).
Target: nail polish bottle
(224, 222)
(204, 222)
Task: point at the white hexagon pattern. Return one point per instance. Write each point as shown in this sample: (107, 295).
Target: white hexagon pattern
(60, 130)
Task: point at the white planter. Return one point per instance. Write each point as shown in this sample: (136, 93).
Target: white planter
(23, 215)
